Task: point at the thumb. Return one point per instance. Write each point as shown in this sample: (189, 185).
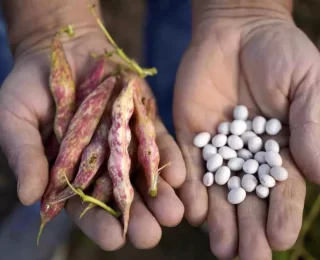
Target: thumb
(305, 123)
(22, 145)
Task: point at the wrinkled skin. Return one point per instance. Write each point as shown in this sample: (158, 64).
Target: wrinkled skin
(26, 106)
(269, 65)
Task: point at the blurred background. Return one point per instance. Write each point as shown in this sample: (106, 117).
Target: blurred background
(147, 25)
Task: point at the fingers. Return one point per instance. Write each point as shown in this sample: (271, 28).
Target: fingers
(286, 207)
(252, 216)
(22, 145)
(166, 207)
(222, 223)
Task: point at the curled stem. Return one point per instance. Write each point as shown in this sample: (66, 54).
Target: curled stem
(86, 198)
(68, 30)
(154, 187)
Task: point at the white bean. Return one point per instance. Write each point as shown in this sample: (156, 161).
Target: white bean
(238, 127)
(279, 173)
(273, 126)
(235, 164)
(227, 153)
(273, 159)
(235, 142)
(262, 191)
(246, 136)
(249, 125)
(245, 154)
(250, 166)
(219, 140)
(272, 145)
(222, 175)
(201, 139)
(255, 144)
(249, 182)
(208, 179)
(264, 169)
(240, 112)
(208, 150)
(234, 182)
(260, 157)
(214, 162)
(267, 181)
(259, 125)
(224, 128)
(237, 195)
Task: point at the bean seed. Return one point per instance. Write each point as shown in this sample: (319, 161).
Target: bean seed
(260, 157)
(279, 173)
(214, 162)
(235, 164)
(267, 181)
(208, 150)
(234, 182)
(273, 126)
(264, 169)
(273, 159)
(227, 153)
(249, 182)
(222, 175)
(245, 154)
(240, 112)
(246, 136)
(224, 128)
(237, 195)
(208, 179)
(250, 166)
(262, 191)
(255, 144)
(235, 142)
(272, 145)
(201, 139)
(238, 127)
(259, 125)
(219, 140)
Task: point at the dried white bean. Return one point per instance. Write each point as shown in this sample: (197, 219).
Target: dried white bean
(255, 144)
(249, 182)
(245, 154)
(260, 157)
(264, 169)
(235, 164)
(208, 179)
(262, 191)
(201, 139)
(246, 136)
(240, 112)
(219, 140)
(273, 126)
(222, 175)
(234, 182)
(214, 162)
(227, 153)
(249, 125)
(238, 127)
(273, 159)
(208, 150)
(237, 195)
(224, 128)
(259, 125)
(267, 181)
(272, 145)
(279, 173)
(235, 142)
(250, 166)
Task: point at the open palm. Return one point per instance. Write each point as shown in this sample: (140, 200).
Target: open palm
(270, 66)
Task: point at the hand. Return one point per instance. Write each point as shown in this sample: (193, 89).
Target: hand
(266, 63)
(26, 117)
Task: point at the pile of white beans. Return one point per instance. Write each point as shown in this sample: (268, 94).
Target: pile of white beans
(239, 148)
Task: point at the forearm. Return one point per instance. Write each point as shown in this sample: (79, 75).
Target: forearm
(33, 21)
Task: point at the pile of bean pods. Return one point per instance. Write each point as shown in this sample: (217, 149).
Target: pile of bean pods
(103, 130)
(238, 157)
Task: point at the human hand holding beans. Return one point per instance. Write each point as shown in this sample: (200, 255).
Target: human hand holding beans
(252, 55)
